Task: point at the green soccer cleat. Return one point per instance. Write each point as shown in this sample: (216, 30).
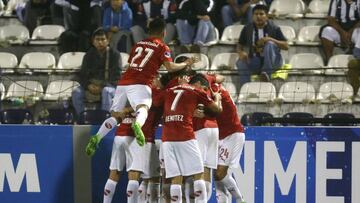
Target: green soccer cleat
(139, 135)
(93, 145)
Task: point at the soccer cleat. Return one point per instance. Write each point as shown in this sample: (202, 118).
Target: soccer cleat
(92, 145)
(139, 135)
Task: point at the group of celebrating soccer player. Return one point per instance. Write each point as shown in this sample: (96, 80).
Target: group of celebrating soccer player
(201, 129)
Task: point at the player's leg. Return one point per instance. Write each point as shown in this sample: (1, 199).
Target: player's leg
(143, 190)
(110, 185)
(151, 172)
(200, 188)
(119, 103)
(133, 186)
(211, 158)
(153, 190)
(191, 164)
(189, 195)
(166, 183)
(140, 99)
(175, 189)
(229, 156)
(117, 164)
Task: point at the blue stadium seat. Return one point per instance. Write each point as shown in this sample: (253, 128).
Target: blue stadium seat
(300, 116)
(339, 116)
(59, 116)
(16, 116)
(255, 119)
(93, 117)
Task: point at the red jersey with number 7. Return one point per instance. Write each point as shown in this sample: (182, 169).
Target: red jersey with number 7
(180, 103)
(145, 60)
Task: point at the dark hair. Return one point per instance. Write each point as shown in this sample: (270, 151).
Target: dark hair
(166, 78)
(157, 26)
(98, 32)
(199, 78)
(260, 7)
(181, 59)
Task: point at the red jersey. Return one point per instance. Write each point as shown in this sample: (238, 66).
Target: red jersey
(207, 122)
(154, 117)
(145, 59)
(125, 127)
(228, 120)
(180, 103)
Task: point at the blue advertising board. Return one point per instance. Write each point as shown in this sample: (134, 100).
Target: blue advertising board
(36, 164)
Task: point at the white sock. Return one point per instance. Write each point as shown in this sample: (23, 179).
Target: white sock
(189, 190)
(166, 191)
(141, 115)
(142, 192)
(153, 192)
(208, 186)
(221, 192)
(107, 126)
(200, 191)
(132, 191)
(109, 190)
(230, 184)
(176, 194)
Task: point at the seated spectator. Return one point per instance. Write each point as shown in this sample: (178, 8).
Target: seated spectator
(99, 73)
(236, 10)
(193, 16)
(117, 21)
(147, 11)
(263, 40)
(35, 13)
(354, 64)
(343, 18)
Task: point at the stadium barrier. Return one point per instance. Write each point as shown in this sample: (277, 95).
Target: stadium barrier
(47, 164)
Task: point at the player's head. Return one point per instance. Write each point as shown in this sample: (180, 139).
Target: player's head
(199, 81)
(99, 39)
(157, 27)
(260, 16)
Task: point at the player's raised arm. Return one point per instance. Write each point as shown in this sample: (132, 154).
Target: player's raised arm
(172, 67)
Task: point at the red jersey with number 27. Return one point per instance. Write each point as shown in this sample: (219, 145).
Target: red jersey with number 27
(145, 60)
(180, 103)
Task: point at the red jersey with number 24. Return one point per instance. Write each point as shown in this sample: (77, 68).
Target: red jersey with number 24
(145, 60)
(180, 103)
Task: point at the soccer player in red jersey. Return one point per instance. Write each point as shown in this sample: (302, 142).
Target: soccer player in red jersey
(149, 190)
(125, 152)
(180, 149)
(145, 59)
(207, 135)
(231, 142)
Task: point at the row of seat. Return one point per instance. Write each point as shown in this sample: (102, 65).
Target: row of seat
(296, 92)
(297, 8)
(43, 34)
(56, 90)
(53, 116)
(71, 61)
(96, 117)
(46, 62)
(301, 118)
(252, 92)
(308, 35)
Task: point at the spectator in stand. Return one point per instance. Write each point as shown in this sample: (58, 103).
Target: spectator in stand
(117, 21)
(147, 11)
(354, 64)
(76, 14)
(343, 19)
(263, 40)
(236, 10)
(35, 13)
(99, 73)
(195, 16)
